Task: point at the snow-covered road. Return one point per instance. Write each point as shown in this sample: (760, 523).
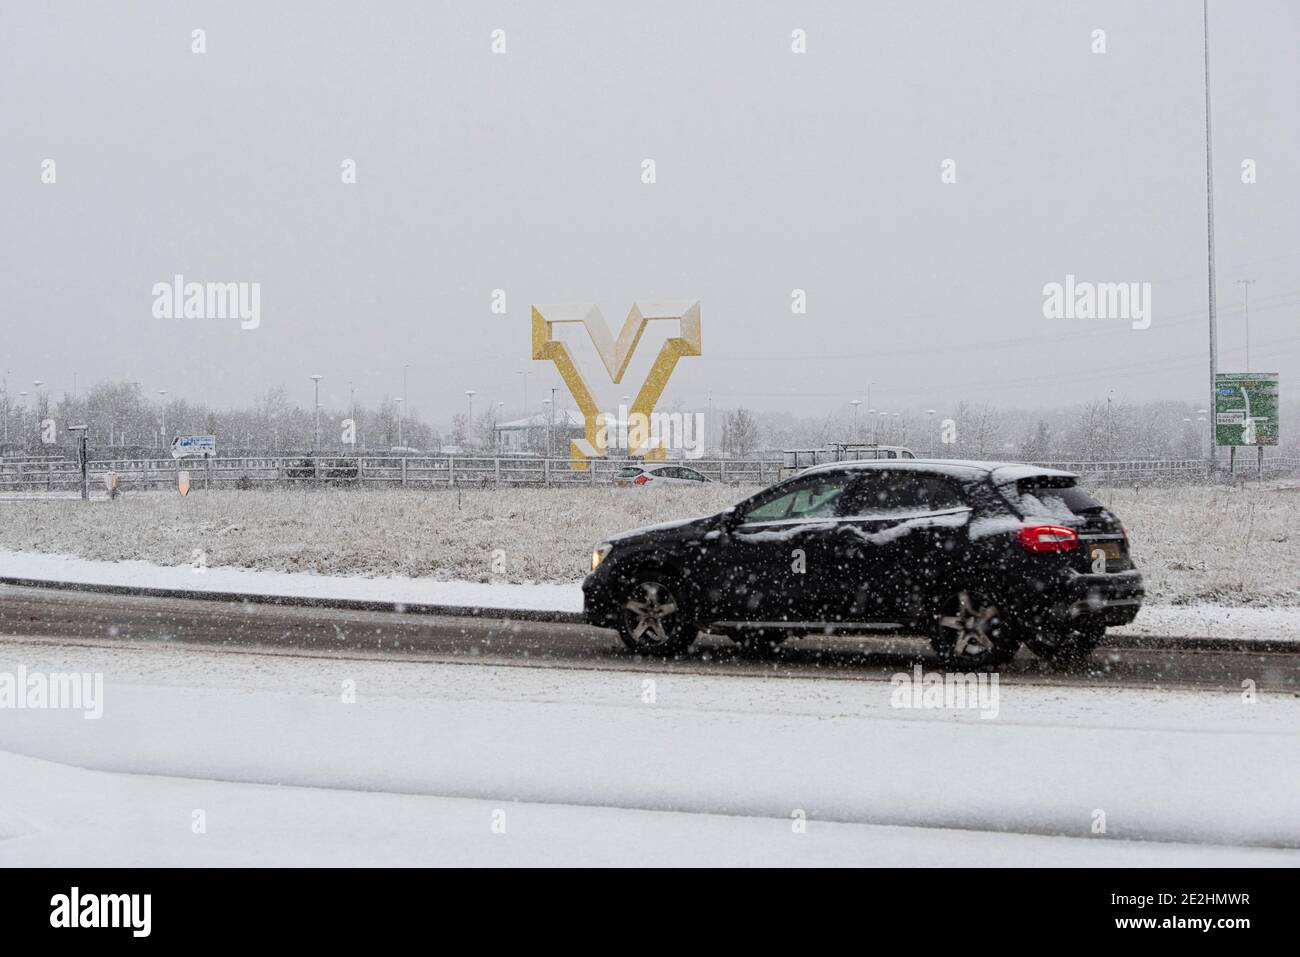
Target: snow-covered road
(625, 767)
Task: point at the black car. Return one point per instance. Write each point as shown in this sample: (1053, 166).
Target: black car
(979, 556)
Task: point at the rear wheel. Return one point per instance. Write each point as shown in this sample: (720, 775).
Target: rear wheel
(970, 633)
(654, 618)
(1065, 645)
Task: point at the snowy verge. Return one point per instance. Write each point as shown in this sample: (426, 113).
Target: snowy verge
(99, 819)
(590, 768)
(548, 602)
(559, 602)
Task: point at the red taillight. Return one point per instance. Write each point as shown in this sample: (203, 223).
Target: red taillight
(1049, 538)
(641, 480)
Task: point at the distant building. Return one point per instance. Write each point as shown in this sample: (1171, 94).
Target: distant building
(528, 436)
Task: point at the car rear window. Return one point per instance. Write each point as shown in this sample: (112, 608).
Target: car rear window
(629, 471)
(1059, 498)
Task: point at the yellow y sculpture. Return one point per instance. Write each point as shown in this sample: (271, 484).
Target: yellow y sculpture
(616, 355)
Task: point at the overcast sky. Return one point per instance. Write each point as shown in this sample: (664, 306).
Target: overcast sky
(775, 171)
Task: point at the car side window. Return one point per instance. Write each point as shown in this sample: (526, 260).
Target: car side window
(901, 492)
(938, 495)
(812, 498)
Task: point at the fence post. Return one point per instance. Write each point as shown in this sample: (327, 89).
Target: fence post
(496, 471)
(546, 471)
(451, 471)
(403, 471)
(279, 470)
(722, 471)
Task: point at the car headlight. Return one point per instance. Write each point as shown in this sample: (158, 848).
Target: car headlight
(598, 554)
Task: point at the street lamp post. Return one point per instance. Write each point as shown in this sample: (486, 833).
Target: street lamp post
(401, 413)
(352, 406)
(1209, 233)
(36, 400)
(550, 417)
(316, 379)
(162, 408)
(930, 430)
(22, 401)
(1109, 393)
(857, 434)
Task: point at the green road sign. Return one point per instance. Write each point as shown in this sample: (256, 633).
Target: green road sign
(1245, 408)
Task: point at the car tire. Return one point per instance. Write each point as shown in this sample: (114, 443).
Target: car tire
(655, 615)
(1065, 646)
(970, 633)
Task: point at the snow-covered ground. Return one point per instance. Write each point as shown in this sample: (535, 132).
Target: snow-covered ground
(1195, 545)
(431, 761)
(402, 590)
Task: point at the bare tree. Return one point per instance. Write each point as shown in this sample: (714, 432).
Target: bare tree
(740, 433)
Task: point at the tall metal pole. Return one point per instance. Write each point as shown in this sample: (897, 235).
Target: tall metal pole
(550, 415)
(316, 379)
(708, 425)
(1108, 432)
(1209, 220)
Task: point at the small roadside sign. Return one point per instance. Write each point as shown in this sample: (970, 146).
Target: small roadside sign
(183, 482)
(187, 445)
(1245, 408)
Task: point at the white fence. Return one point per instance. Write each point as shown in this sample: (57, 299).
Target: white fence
(473, 471)
(365, 470)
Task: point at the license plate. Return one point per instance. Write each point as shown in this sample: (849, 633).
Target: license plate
(1109, 550)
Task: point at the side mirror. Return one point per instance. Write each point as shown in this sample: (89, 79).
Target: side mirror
(729, 520)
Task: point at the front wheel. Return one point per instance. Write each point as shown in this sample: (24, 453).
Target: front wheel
(654, 619)
(971, 634)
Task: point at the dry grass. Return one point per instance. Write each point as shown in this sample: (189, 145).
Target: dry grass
(1235, 546)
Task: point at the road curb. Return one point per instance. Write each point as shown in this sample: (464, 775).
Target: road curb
(343, 604)
(1112, 641)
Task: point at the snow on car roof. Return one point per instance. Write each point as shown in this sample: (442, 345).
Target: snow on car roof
(1001, 472)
